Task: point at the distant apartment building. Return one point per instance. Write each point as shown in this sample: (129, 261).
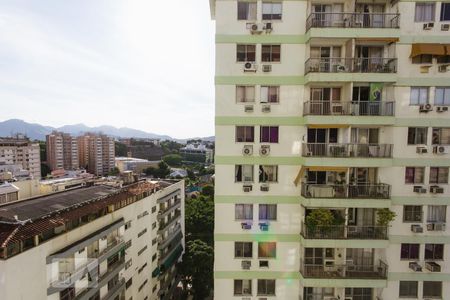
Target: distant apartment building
(19, 152)
(94, 242)
(135, 165)
(197, 152)
(96, 153)
(62, 151)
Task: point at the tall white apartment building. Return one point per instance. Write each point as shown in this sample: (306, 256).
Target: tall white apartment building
(328, 113)
(20, 151)
(95, 242)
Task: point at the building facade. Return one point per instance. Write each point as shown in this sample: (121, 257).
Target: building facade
(329, 116)
(96, 153)
(96, 242)
(62, 151)
(20, 152)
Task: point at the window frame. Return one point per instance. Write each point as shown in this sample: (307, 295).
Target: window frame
(445, 92)
(248, 10)
(263, 177)
(245, 212)
(416, 173)
(421, 17)
(268, 216)
(269, 128)
(442, 11)
(410, 289)
(245, 92)
(241, 293)
(248, 137)
(437, 136)
(271, 15)
(243, 173)
(270, 97)
(266, 287)
(270, 55)
(441, 178)
(432, 288)
(267, 250)
(246, 53)
(242, 245)
(436, 252)
(416, 134)
(420, 90)
(416, 211)
(409, 250)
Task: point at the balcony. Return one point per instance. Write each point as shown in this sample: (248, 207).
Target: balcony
(175, 234)
(348, 108)
(344, 271)
(352, 20)
(347, 150)
(342, 232)
(163, 225)
(167, 210)
(351, 65)
(349, 191)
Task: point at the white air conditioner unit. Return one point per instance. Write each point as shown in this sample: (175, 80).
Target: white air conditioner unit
(246, 225)
(265, 108)
(416, 228)
(425, 107)
(419, 189)
(256, 28)
(439, 226)
(415, 266)
(341, 68)
(247, 188)
(250, 67)
(436, 189)
(441, 108)
(264, 187)
(264, 150)
(428, 26)
(248, 108)
(267, 68)
(268, 27)
(445, 27)
(421, 149)
(246, 264)
(432, 266)
(443, 68)
(247, 150)
(441, 149)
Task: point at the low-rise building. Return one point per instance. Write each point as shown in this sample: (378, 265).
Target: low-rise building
(197, 153)
(94, 242)
(19, 150)
(136, 165)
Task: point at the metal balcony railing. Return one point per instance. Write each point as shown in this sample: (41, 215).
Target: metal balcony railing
(351, 65)
(348, 108)
(347, 150)
(343, 271)
(350, 232)
(352, 20)
(369, 190)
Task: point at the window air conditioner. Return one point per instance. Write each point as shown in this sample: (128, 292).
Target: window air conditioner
(421, 149)
(432, 266)
(247, 150)
(264, 226)
(414, 265)
(264, 188)
(263, 263)
(425, 107)
(268, 27)
(419, 189)
(443, 68)
(250, 67)
(428, 26)
(246, 225)
(416, 228)
(265, 108)
(445, 27)
(441, 149)
(441, 108)
(264, 150)
(439, 226)
(247, 188)
(248, 108)
(436, 189)
(246, 264)
(267, 68)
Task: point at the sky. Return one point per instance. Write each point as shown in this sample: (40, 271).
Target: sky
(141, 64)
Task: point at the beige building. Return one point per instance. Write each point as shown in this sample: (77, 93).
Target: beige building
(62, 151)
(97, 153)
(328, 113)
(94, 242)
(20, 151)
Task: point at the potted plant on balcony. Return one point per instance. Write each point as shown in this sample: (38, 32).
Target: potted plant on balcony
(318, 222)
(384, 217)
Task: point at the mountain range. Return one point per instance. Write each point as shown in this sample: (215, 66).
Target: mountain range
(38, 132)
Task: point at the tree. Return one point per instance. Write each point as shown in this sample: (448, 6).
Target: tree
(114, 171)
(385, 216)
(162, 171)
(120, 149)
(45, 170)
(319, 217)
(173, 160)
(199, 219)
(208, 191)
(197, 268)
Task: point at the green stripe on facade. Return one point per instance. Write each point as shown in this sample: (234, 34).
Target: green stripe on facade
(257, 237)
(256, 275)
(420, 238)
(253, 79)
(353, 33)
(322, 243)
(260, 39)
(257, 199)
(396, 200)
(257, 160)
(354, 120)
(280, 121)
(350, 77)
(360, 203)
(417, 276)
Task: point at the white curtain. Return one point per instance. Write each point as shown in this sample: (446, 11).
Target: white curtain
(436, 213)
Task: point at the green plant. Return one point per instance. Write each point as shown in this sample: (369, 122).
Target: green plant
(319, 217)
(385, 216)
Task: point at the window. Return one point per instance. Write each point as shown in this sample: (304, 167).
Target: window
(153, 209)
(268, 212)
(268, 173)
(246, 10)
(422, 59)
(266, 287)
(432, 289)
(270, 94)
(268, 134)
(443, 59)
(154, 225)
(410, 251)
(245, 94)
(246, 53)
(267, 249)
(243, 287)
(419, 95)
(128, 264)
(243, 211)
(442, 95)
(408, 289)
(439, 175)
(127, 225)
(412, 213)
(417, 135)
(142, 232)
(440, 136)
(437, 213)
(142, 250)
(271, 10)
(270, 53)
(445, 11)
(434, 251)
(142, 285)
(243, 249)
(245, 134)
(424, 12)
(244, 173)
(129, 283)
(414, 175)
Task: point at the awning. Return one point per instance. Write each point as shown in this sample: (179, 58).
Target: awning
(430, 49)
(328, 126)
(385, 40)
(329, 169)
(299, 176)
(447, 49)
